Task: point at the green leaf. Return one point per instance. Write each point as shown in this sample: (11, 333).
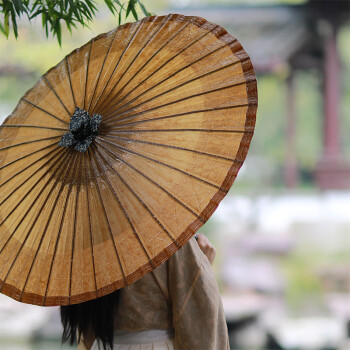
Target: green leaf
(143, 8)
(36, 14)
(128, 9)
(43, 18)
(7, 25)
(2, 28)
(14, 24)
(19, 7)
(59, 33)
(133, 10)
(111, 6)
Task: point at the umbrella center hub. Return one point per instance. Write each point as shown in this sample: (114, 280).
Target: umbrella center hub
(83, 130)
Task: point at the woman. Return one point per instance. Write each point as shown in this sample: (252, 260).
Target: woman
(176, 306)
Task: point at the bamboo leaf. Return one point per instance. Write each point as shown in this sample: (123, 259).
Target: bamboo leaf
(133, 10)
(59, 33)
(143, 8)
(2, 28)
(14, 24)
(7, 25)
(128, 9)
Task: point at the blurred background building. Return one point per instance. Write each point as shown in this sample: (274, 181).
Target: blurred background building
(283, 232)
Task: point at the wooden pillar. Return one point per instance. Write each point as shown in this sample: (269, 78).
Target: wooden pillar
(331, 94)
(291, 170)
(332, 172)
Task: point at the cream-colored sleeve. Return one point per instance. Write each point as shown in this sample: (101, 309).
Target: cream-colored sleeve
(198, 315)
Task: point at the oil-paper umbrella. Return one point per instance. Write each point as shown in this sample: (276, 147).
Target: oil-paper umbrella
(118, 155)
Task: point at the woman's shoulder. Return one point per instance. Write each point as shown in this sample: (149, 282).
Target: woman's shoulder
(189, 254)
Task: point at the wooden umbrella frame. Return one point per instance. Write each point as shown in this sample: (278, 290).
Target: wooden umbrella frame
(222, 190)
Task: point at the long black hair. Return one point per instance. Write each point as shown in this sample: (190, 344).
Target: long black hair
(95, 315)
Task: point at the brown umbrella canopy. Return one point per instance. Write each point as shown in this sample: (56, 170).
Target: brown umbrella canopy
(118, 155)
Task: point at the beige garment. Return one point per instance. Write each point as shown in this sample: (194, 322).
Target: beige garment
(183, 294)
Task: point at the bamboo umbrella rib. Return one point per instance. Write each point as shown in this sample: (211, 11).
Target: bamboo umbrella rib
(38, 213)
(112, 115)
(24, 181)
(87, 73)
(105, 214)
(136, 30)
(28, 166)
(170, 59)
(180, 100)
(27, 155)
(103, 64)
(27, 210)
(154, 54)
(159, 162)
(30, 126)
(70, 80)
(74, 230)
(173, 147)
(43, 110)
(53, 90)
(138, 198)
(124, 211)
(32, 141)
(180, 130)
(57, 241)
(62, 185)
(155, 183)
(179, 115)
(171, 76)
(90, 230)
(101, 104)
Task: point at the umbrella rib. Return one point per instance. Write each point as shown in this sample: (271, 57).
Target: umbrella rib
(121, 56)
(74, 228)
(56, 244)
(47, 224)
(28, 166)
(26, 142)
(112, 115)
(70, 80)
(156, 52)
(103, 64)
(102, 103)
(170, 59)
(162, 188)
(87, 73)
(140, 200)
(173, 147)
(172, 75)
(43, 110)
(53, 90)
(24, 181)
(183, 99)
(124, 211)
(106, 217)
(69, 191)
(27, 155)
(31, 205)
(30, 126)
(90, 231)
(182, 130)
(178, 115)
(167, 165)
